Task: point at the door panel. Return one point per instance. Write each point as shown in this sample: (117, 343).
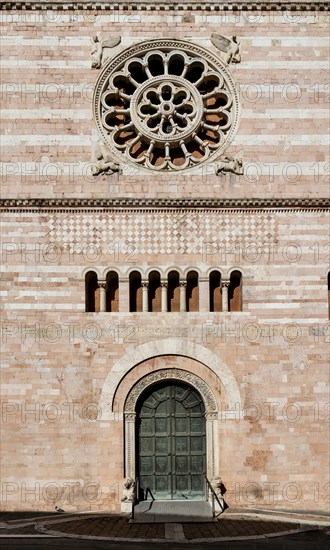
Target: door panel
(171, 443)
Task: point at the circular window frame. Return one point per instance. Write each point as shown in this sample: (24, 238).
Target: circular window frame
(165, 45)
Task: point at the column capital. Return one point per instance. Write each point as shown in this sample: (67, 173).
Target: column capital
(164, 284)
(102, 283)
(144, 284)
(225, 282)
(183, 284)
(130, 416)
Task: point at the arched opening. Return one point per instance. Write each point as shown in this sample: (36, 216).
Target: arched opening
(92, 292)
(215, 291)
(173, 292)
(235, 292)
(135, 291)
(192, 301)
(171, 442)
(154, 292)
(112, 292)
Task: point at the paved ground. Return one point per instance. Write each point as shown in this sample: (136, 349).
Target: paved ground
(119, 527)
(238, 530)
(314, 540)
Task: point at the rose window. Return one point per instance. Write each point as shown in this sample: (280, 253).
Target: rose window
(166, 105)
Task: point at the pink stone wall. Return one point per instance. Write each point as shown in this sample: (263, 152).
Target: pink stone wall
(58, 448)
(47, 103)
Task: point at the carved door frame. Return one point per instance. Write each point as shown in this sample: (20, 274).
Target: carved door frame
(211, 417)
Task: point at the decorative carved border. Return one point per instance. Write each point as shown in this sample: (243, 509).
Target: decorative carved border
(154, 203)
(211, 416)
(171, 374)
(183, 5)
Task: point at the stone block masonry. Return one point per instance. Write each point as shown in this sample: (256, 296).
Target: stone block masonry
(68, 375)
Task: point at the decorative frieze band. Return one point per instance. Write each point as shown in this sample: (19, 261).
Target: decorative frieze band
(154, 203)
(183, 5)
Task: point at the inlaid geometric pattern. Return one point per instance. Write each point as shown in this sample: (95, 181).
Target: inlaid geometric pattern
(162, 232)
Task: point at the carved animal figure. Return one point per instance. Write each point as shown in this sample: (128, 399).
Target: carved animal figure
(128, 490)
(98, 46)
(230, 47)
(103, 163)
(230, 164)
(218, 486)
(220, 490)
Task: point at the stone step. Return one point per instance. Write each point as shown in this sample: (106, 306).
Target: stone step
(169, 511)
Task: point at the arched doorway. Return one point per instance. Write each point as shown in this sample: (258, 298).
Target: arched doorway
(171, 441)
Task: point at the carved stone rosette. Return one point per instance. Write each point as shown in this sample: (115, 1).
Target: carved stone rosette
(166, 105)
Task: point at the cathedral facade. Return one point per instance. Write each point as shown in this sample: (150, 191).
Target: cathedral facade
(165, 253)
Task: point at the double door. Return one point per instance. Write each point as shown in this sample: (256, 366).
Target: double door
(171, 442)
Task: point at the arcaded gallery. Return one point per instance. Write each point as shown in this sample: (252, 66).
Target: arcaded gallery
(165, 253)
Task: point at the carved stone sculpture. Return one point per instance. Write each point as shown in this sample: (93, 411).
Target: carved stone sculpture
(218, 487)
(128, 489)
(103, 162)
(98, 46)
(219, 490)
(230, 47)
(230, 164)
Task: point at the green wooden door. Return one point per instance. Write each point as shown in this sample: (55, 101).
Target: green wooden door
(171, 459)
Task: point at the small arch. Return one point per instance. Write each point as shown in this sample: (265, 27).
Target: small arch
(192, 268)
(215, 291)
(192, 298)
(235, 291)
(154, 292)
(92, 292)
(112, 291)
(151, 269)
(108, 269)
(172, 268)
(173, 291)
(135, 291)
(94, 269)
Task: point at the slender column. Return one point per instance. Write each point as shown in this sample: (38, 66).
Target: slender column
(103, 295)
(224, 288)
(145, 286)
(130, 444)
(164, 287)
(183, 287)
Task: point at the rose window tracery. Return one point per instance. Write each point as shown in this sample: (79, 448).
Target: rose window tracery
(166, 105)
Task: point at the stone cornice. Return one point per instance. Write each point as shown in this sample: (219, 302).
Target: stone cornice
(164, 203)
(181, 5)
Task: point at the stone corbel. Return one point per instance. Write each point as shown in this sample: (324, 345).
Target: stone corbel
(233, 165)
(97, 46)
(102, 160)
